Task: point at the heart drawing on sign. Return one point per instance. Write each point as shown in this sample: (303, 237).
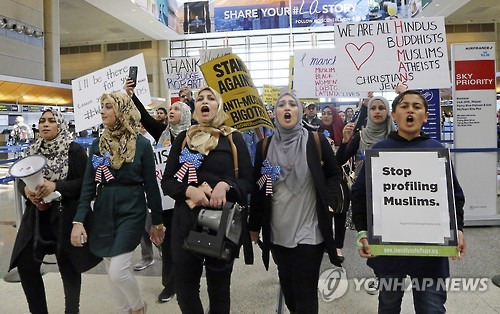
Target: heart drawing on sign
(359, 55)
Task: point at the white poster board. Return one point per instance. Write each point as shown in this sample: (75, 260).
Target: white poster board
(474, 113)
(87, 90)
(182, 71)
(401, 180)
(161, 156)
(315, 74)
(380, 55)
(207, 55)
(410, 202)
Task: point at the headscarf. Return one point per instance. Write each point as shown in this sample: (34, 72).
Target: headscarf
(120, 138)
(56, 150)
(203, 137)
(174, 129)
(288, 150)
(374, 132)
(335, 128)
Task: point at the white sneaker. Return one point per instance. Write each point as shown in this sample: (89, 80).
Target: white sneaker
(373, 286)
(143, 264)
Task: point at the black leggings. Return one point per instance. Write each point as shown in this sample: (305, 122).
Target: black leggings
(187, 284)
(339, 221)
(167, 272)
(298, 272)
(31, 280)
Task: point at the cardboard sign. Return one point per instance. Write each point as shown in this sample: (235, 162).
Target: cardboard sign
(180, 72)
(270, 94)
(207, 55)
(379, 56)
(315, 74)
(230, 77)
(411, 210)
(161, 156)
(88, 89)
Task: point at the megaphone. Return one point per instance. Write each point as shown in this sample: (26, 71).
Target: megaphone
(227, 223)
(29, 169)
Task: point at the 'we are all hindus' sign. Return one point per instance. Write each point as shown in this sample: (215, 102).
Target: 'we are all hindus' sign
(378, 56)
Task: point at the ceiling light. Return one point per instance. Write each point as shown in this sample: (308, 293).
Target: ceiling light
(38, 33)
(10, 25)
(29, 31)
(19, 28)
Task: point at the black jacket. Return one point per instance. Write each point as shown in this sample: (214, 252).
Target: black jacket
(61, 222)
(216, 166)
(152, 126)
(326, 180)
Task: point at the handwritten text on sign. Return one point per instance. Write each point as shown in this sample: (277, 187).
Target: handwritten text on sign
(381, 55)
(87, 90)
(182, 71)
(315, 74)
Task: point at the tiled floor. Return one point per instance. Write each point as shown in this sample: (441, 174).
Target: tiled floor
(253, 289)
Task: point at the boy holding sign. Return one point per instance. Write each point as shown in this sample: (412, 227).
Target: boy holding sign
(409, 110)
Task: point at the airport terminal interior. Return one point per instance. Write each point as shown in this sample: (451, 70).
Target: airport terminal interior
(48, 46)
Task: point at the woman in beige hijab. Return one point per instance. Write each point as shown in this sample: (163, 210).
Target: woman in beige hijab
(201, 171)
(120, 176)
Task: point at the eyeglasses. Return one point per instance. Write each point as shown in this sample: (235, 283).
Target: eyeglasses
(182, 96)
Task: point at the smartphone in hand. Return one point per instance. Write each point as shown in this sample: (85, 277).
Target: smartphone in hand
(132, 74)
(355, 116)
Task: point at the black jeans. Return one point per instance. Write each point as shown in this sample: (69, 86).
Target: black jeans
(298, 272)
(32, 283)
(187, 284)
(428, 296)
(167, 271)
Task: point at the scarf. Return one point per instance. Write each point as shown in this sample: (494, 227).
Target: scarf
(120, 138)
(335, 128)
(288, 150)
(56, 150)
(174, 129)
(204, 137)
(374, 132)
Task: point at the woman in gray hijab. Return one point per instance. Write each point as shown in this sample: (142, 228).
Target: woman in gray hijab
(297, 179)
(377, 128)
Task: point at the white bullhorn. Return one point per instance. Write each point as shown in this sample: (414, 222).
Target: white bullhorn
(29, 169)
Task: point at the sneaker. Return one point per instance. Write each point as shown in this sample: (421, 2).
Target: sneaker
(373, 286)
(143, 264)
(165, 296)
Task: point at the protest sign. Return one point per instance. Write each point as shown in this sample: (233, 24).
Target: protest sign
(315, 74)
(270, 94)
(161, 156)
(207, 55)
(87, 90)
(411, 209)
(182, 71)
(380, 55)
(230, 77)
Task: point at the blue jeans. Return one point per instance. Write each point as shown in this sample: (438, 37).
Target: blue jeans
(428, 296)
